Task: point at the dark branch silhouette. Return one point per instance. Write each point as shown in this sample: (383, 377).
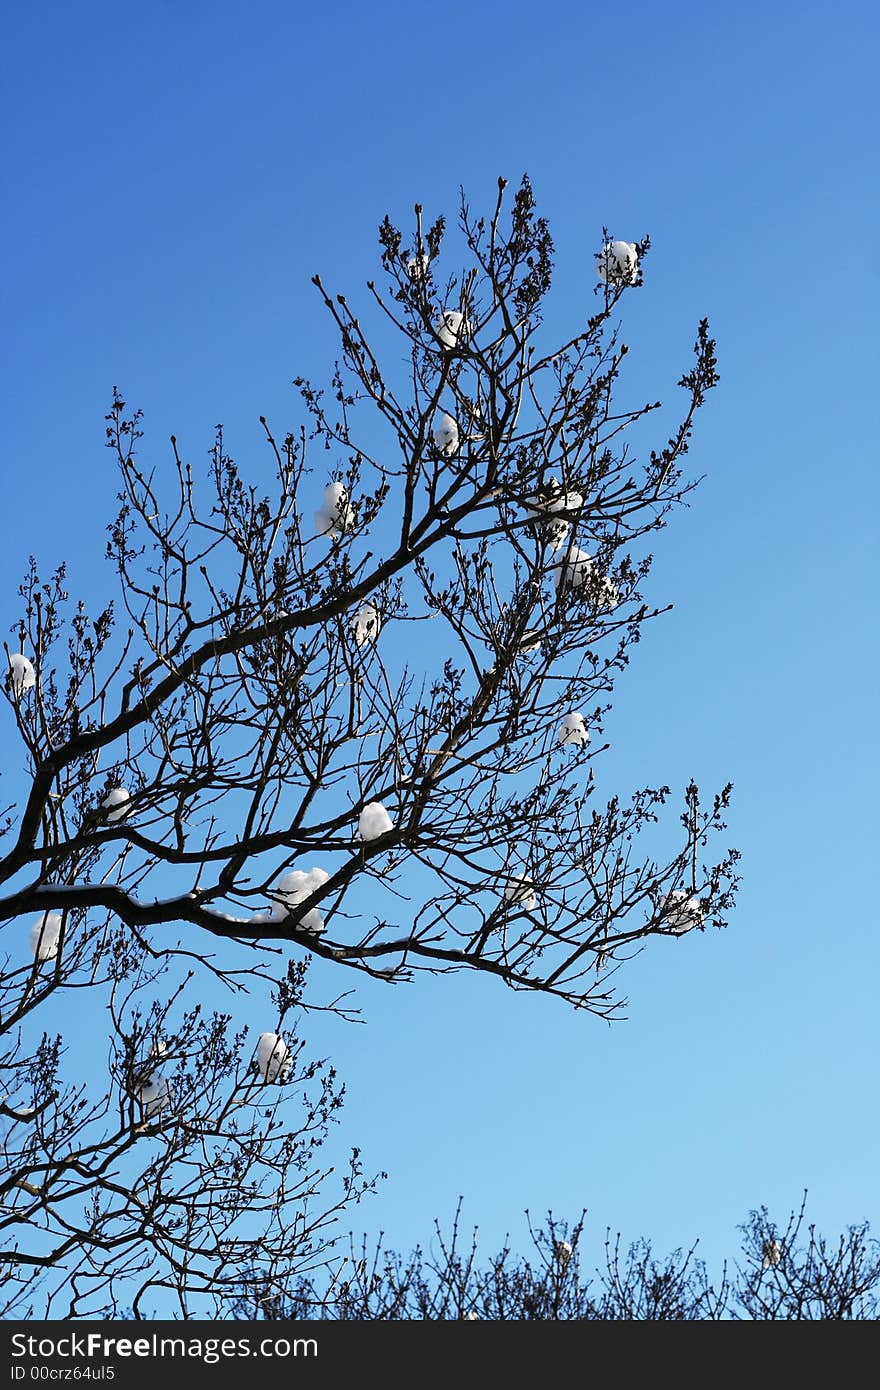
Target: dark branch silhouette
(354, 707)
(440, 643)
(780, 1273)
(187, 1163)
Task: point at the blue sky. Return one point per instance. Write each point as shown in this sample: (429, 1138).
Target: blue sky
(176, 175)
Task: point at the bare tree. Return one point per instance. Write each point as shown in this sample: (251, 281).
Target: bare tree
(154, 1183)
(789, 1273)
(394, 656)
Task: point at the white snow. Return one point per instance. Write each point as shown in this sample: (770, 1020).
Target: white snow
(298, 884)
(374, 821)
(573, 568)
(681, 911)
(573, 730)
(334, 516)
(115, 803)
(552, 507)
(221, 916)
(366, 624)
(417, 266)
(609, 594)
(274, 1059)
(291, 890)
(44, 936)
(771, 1251)
(453, 325)
(529, 642)
(446, 433)
(335, 498)
(563, 1250)
(154, 1094)
(521, 892)
(276, 913)
(618, 262)
(22, 675)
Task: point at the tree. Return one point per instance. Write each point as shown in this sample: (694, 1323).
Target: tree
(188, 1165)
(395, 658)
(782, 1273)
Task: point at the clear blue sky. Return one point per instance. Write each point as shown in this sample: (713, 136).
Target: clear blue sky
(174, 175)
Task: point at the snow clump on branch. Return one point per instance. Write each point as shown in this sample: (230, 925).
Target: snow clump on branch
(563, 1250)
(529, 643)
(771, 1252)
(575, 570)
(45, 934)
(115, 803)
(550, 508)
(573, 730)
(417, 266)
(446, 434)
(365, 624)
(681, 911)
(154, 1095)
(374, 821)
(618, 262)
(453, 326)
(291, 890)
(274, 1058)
(21, 675)
(521, 892)
(334, 516)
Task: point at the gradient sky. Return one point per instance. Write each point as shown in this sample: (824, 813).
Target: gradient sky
(174, 175)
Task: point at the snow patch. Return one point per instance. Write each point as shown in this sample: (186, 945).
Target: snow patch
(21, 675)
(681, 912)
(618, 263)
(417, 266)
(521, 892)
(115, 803)
(45, 934)
(446, 434)
(154, 1095)
(334, 516)
(452, 327)
(365, 624)
(573, 730)
(374, 821)
(274, 1058)
(290, 892)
